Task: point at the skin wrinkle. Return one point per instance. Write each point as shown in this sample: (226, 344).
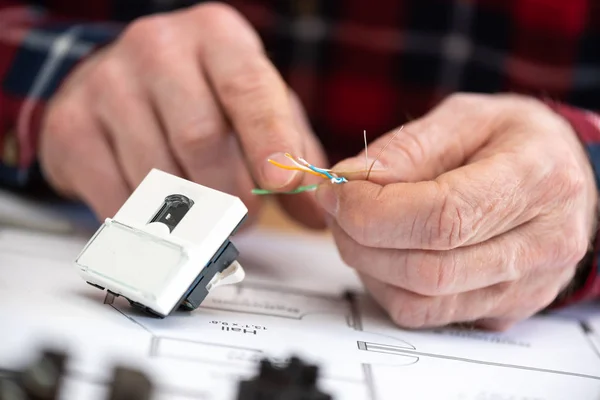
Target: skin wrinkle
(393, 263)
(111, 143)
(511, 272)
(450, 311)
(446, 160)
(380, 197)
(496, 205)
(407, 147)
(476, 217)
(451, 235)
(413, 225)
(418, 311)
(495, 296)
(446, 276)
(425, 313)
(475, 212)
(432, 227)
(359, 227)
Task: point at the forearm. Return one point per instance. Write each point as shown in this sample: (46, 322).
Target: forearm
(37, 51)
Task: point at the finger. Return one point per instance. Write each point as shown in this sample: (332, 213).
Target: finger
(195, 127)
(303, 207)
(501, 301)
(99, 180)
(466, 206)
(532, 295)
(435, 273)
(423, 149)
(255, 98)
(411, 310)
(90, 167)
(202, 140)
(529, 249)
(77, 157)
(136, 133)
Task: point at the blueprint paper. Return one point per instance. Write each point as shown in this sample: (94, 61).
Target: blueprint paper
(299, 299)
(44, 215)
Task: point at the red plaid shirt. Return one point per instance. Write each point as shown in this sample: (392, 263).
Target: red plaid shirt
(355, 65)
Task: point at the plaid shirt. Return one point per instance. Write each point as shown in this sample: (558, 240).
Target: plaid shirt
(354, 66)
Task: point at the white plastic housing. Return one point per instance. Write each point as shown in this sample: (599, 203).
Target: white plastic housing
(147, 263)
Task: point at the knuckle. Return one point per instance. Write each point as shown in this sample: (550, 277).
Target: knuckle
(568, 248)
(219, 14)
(431, 275)
(452, 223)
(106, 74)
(574, 247)
(58, 144)
(56, 126)
(546, 298)
(569, 181)
(254, 80)
(417, 313)
(197, 135)
(537, 299)
(154, 29)
(222, 17)
(153, 40)
(411, 147)
(408, 314)
(462, 99)
(508, 262)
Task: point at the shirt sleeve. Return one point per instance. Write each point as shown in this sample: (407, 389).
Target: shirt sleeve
(37, 51)
(586, 284)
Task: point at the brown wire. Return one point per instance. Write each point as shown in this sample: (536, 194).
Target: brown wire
(381, 151)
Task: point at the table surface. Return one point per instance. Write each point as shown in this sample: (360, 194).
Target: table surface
(272, 217)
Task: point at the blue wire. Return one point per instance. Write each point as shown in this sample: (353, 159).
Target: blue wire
(334, 179)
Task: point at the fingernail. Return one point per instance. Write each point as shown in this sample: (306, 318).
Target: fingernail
(327, 198)
(277, 177)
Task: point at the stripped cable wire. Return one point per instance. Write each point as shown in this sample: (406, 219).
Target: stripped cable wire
(382, 150)
(300, 164)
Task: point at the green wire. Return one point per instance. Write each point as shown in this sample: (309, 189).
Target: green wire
(299, 189)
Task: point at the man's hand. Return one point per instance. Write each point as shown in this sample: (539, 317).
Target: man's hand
(479, 212)
(191, 93)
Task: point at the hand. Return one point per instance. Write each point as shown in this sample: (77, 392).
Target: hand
(478, 212)
(170, 93)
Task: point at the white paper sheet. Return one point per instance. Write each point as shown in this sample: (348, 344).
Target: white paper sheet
(291, 303)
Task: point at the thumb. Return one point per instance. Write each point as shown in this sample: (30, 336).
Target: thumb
(404, 155)
(423, 149)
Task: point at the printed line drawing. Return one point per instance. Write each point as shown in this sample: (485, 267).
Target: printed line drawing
(228, 356)
(263, 299)
(495, 364)
(383, 348)
(593, 338)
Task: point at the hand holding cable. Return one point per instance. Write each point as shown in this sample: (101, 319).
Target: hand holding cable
(480, 212)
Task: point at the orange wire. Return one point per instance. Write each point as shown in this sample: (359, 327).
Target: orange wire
(296, 168)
